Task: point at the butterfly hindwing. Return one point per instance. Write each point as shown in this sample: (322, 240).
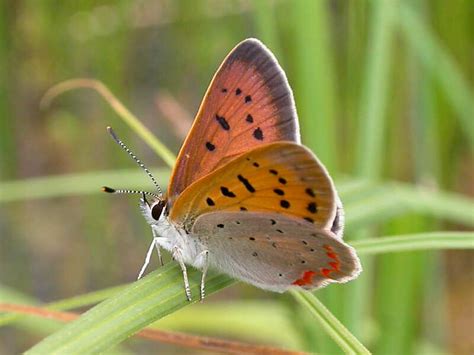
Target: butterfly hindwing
(247, 104)
(281, 177)
(275, 252)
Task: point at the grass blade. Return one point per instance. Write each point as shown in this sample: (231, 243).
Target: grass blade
(412, 242)
(348, 342)
(440, 63)
(134, 123)
(141, 303)
(370, 144)
(315, 93)
(75, 184)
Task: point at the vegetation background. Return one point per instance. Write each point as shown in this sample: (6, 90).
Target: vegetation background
(384, 95)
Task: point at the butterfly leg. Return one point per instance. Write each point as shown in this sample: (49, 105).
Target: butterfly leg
(205, 256)
(148, 257)
(157, 246)
(179, 258)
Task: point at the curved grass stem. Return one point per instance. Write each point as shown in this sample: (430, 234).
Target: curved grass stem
(158, 147)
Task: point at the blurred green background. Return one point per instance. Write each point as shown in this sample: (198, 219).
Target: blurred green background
(384, 95)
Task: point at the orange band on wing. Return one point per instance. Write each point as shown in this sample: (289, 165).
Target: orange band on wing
(307, 279)
(335, 265)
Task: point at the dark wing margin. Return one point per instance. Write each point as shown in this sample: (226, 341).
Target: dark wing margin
(248, 103)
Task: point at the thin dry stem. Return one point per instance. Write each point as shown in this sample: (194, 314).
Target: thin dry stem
(170, 108)
(174, 338)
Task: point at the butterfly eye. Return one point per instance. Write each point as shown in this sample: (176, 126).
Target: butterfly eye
(157, 209)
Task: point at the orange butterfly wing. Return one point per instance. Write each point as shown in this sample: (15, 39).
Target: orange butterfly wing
(247, 104)
(280, 177)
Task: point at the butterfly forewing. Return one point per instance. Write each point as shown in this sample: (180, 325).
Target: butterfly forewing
(247, 104)
(275, 252)
(280, 177)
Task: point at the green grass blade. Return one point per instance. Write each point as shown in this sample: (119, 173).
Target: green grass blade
(441, 204)
(375, 92)
(266, 25)
(76, 184)
(385, 201)
(133, 122)
(412, 242)
(335, 329)
(7, 139)
(442, 66)
(314, 87)
(370, 139)
(141, 303)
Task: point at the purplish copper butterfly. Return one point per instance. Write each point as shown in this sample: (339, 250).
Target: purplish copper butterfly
(245, 197)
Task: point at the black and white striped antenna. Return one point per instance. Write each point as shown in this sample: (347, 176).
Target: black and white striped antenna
(140, 164)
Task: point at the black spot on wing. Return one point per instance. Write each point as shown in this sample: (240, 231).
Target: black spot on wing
(238, 91)
(309, 191)
(223, 122)
(284, 204)
(246, 183)
(248, 99)
(312, 207)
(210, 202)
(255, 55)
(249, 118)
(210, 147)
(258, 134)
(279, 192)
(226, 192)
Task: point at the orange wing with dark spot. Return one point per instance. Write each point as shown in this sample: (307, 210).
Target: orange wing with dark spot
(282, 177)
(247, 104)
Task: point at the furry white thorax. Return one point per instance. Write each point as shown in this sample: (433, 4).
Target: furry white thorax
(174, 239)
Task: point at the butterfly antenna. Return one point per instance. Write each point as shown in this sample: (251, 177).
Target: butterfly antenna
(122, 191)
(139, 162)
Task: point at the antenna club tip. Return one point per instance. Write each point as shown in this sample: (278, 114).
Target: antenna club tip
(112, 133)
(108, 189)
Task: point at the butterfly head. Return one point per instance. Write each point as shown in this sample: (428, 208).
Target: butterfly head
(152, 205)
(153, 208)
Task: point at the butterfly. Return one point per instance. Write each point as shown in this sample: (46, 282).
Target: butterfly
(245, 197)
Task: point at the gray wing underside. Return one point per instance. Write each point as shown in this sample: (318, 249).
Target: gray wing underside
(275, 252)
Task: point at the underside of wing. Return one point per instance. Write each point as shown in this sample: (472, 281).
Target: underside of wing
(247, 104)
(283, 177)
(275, 252)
